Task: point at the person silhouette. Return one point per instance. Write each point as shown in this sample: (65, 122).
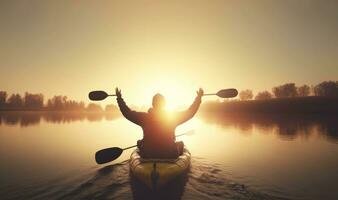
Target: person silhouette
(159, 126)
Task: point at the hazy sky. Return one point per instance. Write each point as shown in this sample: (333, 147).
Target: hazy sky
(174, 47)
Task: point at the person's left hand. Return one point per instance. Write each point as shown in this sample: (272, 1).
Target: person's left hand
(118, 93)
(200, 93)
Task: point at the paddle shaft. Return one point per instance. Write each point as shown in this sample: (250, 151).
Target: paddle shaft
(210, 94)
(114, 95)
(129, 147)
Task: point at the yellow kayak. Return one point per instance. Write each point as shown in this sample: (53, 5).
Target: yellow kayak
(156, 173)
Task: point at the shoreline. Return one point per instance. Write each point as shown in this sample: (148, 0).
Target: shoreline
(296, 105)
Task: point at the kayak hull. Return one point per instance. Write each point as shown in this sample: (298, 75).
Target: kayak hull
(156, 173)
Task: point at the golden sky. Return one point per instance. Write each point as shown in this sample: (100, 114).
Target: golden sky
(173, 47)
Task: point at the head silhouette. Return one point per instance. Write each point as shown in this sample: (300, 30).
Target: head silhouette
(158, 101)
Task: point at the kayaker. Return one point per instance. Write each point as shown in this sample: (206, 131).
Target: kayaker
(159, 126)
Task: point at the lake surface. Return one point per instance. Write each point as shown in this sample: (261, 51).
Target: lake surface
(51, 156)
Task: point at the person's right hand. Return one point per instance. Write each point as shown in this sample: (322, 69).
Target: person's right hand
(118, 93)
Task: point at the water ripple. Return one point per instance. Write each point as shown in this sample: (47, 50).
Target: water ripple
(205, 180)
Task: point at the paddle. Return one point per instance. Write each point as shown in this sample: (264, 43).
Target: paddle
(225, 93)
(101, 95)
(110, 154)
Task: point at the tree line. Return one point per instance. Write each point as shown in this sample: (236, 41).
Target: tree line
(31, 101)
(290, 90)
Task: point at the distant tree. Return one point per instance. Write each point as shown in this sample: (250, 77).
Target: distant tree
(303, 91)
(326, 88)
(3, 98)
(111, 108)
(92, 107)
(286, 90)
(73, 105)
(263, 95)
(56, 103)
(33, 101)
(81, 105)
(15, 101)
(246, 95)
(49, 104)
(62, 103)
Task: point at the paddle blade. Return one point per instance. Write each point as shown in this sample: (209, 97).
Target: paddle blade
(97, 95)
(107, 155)
(227, 93)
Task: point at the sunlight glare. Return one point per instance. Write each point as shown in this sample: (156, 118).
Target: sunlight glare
(177, 95)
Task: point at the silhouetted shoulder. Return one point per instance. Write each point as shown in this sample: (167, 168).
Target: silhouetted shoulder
(133, 116)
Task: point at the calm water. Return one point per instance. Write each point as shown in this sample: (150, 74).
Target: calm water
(51, 156)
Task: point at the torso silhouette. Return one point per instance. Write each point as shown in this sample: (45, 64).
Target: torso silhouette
(158, 128)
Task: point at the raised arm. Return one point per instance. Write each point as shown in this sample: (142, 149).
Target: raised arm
(133, 116)
(184, 116)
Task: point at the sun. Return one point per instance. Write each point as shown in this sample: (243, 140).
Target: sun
(177, 95)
